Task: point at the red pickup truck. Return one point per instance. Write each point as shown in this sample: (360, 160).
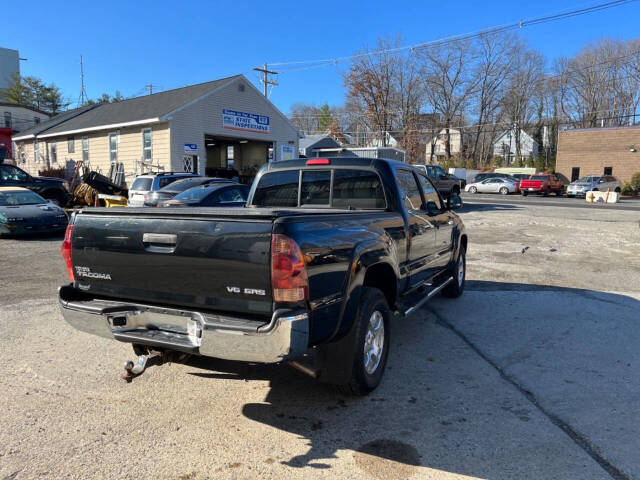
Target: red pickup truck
(542, 183)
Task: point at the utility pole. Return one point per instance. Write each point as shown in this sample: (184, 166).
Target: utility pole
(265, 78)
(150, 88)
(83, 94)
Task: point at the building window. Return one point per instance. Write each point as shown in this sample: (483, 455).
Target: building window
(146, 145)
(608, 170)
(575, 173)
(7, 119)
(113, 147)
(85, 149)
(54, 152)
(71, 145)
(36, 120)
(36, 156)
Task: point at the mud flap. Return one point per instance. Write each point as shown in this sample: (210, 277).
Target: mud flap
(334, 361)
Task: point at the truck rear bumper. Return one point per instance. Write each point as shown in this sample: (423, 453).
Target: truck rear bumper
(286, 336)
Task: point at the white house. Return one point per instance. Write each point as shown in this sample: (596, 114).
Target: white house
(505, 145)
(438, 144)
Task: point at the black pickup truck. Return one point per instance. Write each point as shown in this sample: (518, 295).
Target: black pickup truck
(312, 269)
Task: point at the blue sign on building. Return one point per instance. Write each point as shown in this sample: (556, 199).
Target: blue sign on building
(248, 122)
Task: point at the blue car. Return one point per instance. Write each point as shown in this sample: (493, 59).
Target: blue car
(23, 212)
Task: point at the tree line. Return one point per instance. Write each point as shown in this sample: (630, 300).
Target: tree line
(35, 92)
(479, 88)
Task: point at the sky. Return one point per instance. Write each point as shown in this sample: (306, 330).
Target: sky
(129, 44)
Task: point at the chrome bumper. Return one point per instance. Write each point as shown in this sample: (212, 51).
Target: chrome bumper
(286, 336)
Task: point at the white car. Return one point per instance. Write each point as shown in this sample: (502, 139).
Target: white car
(151, 182)
(503, 186)
(593, 183)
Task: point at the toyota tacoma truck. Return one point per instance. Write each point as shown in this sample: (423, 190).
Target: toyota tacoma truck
(313, 270)
(542, 183)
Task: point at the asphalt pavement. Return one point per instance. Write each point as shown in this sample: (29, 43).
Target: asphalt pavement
(552, 200)
(531, 374)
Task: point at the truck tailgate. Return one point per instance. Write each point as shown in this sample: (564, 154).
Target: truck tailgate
(216, 260)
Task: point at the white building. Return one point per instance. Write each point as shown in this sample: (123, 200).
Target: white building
(20, 117)
(199, 128)
(505, 145)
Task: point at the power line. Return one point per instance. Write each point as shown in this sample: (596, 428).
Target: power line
(318, 63)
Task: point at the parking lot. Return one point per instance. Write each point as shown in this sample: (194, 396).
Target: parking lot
(533, 373)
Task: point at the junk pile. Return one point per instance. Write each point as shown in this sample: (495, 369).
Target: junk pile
(96, 190)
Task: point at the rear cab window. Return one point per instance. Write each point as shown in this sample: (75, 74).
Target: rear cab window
(332, 188)
(142, 183)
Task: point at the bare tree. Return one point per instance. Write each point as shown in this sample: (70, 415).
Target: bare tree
(370, 87)
(449, 82)
(494, 59)
(525, 81)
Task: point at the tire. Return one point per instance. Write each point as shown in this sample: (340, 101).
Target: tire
(473, 189)
(617, 190)
(373, 311)
(504, 191)
(523, 193)
(455, 288)
(455, 191)
(559, 193)
(546, 192)
(595, 190)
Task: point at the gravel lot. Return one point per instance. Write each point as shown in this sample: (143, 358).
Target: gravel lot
(533, 373)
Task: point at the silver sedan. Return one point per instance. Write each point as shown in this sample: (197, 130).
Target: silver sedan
(503, 186)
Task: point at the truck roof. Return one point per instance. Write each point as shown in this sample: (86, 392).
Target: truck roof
(333, 161)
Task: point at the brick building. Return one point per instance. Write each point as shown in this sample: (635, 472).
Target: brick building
(599, 151)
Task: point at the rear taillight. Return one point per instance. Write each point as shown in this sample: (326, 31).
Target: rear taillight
(288, 272)
(66, 252)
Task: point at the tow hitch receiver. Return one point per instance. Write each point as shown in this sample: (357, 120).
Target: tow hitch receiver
(147, 358)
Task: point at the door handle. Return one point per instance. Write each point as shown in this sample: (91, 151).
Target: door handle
(163, 238)
(159, 242)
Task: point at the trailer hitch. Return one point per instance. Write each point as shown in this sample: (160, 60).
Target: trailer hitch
(147, 358)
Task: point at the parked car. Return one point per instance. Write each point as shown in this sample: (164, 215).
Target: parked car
(520, 176)
(24, 212)
(594, 183)
(503, 186)
(218, 194)
(446, 184)
(156, 197)
(53, 189)
(144, 184)
(483, 176)
(543, 184)
(324, 253)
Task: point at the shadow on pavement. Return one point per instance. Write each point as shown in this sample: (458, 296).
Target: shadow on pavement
(484, 207)
(439, 406)
(46, 237)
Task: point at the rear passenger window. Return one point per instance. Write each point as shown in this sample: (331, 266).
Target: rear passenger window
(357, 189)
(410, 191)
(430, 194)
(277, 189)
(316, 187)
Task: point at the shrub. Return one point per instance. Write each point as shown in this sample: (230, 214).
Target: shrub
(497, 161)
(627, 189)
(635, 182)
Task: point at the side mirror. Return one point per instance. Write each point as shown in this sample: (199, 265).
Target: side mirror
(432, 208)
(455, 202)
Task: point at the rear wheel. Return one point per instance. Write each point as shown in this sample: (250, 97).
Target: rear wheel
(459, 273)
(473, 189)
(546, 192)
(617, 190)
(504, 191)
(523, 193)
(372, 343)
